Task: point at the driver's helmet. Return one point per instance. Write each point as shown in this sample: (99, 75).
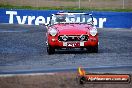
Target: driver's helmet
(61, 18)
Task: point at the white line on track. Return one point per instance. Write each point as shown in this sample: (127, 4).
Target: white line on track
(30, 74)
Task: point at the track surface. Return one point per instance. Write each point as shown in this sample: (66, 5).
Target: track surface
(23, 48)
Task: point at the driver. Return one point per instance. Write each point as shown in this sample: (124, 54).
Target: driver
(61, 18)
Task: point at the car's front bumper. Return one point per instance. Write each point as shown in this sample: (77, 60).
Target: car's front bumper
(54, 42)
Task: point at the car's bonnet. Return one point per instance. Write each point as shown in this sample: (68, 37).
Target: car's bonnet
(71, 29)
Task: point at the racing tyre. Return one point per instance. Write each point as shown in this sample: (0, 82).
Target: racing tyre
(93, 49)
(50, 50)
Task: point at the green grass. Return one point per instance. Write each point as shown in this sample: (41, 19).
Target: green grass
(64, 8)
(81, 0)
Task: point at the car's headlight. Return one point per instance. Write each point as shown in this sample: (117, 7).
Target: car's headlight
(53, 32)
(93, 31)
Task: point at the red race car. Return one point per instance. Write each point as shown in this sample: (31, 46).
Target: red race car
(71, 30)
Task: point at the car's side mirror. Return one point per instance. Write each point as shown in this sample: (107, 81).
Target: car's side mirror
(42, 24)
(90, 22)
(45, 25)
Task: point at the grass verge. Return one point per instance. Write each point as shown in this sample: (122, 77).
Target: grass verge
(64, 8)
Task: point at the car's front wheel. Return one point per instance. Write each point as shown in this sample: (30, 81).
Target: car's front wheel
(50, 50)
(93, 49)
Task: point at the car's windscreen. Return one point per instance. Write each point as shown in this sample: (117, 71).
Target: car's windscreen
(71, 18)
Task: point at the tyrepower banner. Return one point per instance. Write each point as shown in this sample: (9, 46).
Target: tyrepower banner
(37, 17)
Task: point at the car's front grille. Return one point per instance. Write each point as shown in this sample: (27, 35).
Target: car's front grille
(73, 37)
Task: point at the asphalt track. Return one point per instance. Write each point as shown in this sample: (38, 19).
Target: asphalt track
(23, 50)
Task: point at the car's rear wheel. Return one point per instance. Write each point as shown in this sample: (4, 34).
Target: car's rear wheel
(93, 49)
(50, 50)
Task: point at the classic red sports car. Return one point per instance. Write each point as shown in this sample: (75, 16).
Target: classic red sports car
(72, 30)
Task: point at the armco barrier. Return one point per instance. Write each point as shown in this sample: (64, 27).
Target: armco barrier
(101, 19)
